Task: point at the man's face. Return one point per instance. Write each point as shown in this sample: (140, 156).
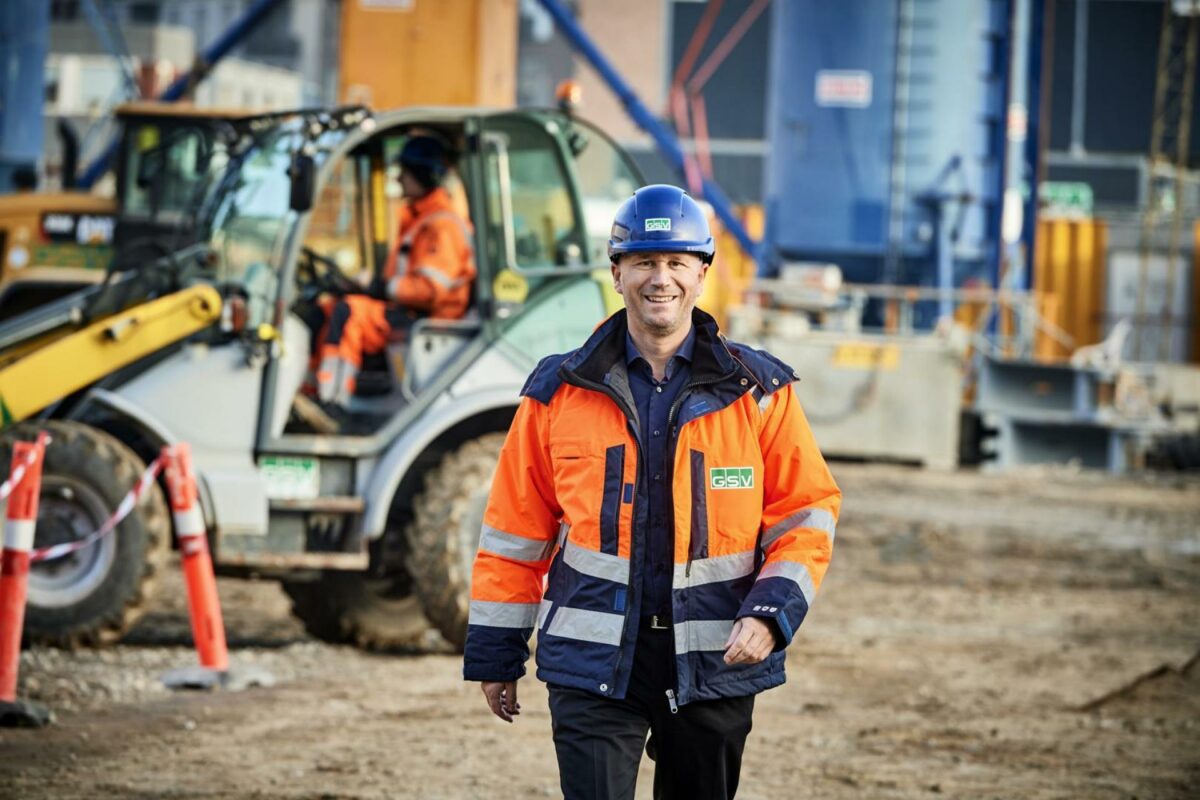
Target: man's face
(660, 289)
(410, 187)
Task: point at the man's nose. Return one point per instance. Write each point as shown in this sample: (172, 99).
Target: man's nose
(660, 275)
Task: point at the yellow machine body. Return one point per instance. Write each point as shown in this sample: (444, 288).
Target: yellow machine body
(52, 372)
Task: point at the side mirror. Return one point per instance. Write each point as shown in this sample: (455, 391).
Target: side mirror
(303, 173)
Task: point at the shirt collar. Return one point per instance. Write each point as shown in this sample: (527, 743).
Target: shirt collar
(684, 352)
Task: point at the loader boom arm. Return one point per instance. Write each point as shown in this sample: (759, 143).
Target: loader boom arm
(67, 365)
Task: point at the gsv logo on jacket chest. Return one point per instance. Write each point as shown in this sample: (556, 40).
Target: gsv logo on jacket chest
(731, 478)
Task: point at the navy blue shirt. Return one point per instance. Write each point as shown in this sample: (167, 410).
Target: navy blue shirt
(653, 400)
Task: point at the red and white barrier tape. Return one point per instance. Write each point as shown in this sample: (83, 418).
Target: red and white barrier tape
(127, 504)
(18, 473)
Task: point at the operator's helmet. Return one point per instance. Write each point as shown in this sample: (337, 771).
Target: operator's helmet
(424, 157)
(662, 219)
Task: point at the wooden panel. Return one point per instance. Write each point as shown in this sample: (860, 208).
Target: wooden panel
(428, 52)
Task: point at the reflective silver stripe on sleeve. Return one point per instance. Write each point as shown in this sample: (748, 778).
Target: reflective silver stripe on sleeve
(518, 548)
(795, 572)
(502, 615)
(563, 529)
(595, 564)
(543, 612)
(587, 626)
(438, 277)
(715, 569)
(702, 634)
(817, 518)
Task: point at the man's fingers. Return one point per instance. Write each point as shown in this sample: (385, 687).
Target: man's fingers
(510, 696)
(748, 644)
(734, 634)
(736, 644)
(494, 692)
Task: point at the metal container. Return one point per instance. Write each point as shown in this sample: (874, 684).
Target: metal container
(887, 128)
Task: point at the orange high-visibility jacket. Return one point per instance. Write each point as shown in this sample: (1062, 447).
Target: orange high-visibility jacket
(755, 509)
(432, 264)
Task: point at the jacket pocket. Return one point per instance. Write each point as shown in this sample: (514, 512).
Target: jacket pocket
(698, 544)
(610, 502)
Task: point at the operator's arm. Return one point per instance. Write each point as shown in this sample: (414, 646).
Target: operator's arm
(800, 511)
(437, 267)
(519, 532)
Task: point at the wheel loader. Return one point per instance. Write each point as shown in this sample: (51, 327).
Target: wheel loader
(370, 528)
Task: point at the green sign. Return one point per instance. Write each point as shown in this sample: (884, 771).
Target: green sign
(731, 478)
(1067, 196)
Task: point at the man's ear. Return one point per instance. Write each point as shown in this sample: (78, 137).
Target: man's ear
(616, 273)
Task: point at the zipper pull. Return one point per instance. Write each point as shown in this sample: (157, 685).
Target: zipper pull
(671, 701)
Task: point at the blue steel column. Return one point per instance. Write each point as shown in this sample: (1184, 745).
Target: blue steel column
(666, 141)
(1035, 47)
(24, 39)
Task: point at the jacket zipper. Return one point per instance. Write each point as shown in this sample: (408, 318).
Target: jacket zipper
(582, 383)
(575, 380)
(687, 572)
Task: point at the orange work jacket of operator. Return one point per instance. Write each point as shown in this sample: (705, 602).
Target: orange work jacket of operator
(432, 264)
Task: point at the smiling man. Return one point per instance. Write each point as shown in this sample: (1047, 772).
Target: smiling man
(667, 480)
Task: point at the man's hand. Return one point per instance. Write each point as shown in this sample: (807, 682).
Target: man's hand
(751, 641)
(502, 698)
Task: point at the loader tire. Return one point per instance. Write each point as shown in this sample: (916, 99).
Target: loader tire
(444, 534)
(93, 596)
(374, 613)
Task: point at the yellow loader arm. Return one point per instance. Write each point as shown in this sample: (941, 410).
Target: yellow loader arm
(66, 365)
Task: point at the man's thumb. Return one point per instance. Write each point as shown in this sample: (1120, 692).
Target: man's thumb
(733, 634)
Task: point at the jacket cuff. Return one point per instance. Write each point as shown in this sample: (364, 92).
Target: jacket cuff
(494, 671)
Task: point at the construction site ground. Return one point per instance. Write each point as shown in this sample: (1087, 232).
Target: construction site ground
(1032, 635)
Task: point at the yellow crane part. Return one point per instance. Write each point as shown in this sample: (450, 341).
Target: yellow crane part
(68, 364)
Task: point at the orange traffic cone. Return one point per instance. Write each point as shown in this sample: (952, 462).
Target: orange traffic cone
(204, 607)
(25, 482)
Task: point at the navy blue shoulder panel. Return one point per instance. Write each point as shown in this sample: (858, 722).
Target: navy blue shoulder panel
(544, 381)
(771, 373)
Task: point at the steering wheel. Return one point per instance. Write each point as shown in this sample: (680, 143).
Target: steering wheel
(329, 279)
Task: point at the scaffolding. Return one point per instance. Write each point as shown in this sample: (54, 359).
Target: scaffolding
(1170, 137)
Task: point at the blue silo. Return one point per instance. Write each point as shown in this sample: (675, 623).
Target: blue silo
(887, 126)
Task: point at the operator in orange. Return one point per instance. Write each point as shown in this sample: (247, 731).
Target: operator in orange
(427, 274)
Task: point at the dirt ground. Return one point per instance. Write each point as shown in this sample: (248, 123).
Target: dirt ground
(1031, 635)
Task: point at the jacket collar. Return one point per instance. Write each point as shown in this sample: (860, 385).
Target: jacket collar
(605, 350)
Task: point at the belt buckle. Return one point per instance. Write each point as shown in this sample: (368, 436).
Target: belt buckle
(658, 623)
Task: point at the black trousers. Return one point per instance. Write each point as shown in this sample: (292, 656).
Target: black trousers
(697, 751)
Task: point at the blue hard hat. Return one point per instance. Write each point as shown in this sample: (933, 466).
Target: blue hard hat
(425, 157)
(664, 219)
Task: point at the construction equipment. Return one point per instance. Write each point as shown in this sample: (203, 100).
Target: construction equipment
(163, 159)
(371, 530)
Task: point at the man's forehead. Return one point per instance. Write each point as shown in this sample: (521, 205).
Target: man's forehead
(655, 255)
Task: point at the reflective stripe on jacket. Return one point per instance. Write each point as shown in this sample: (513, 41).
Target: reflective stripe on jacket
(755, 509)
(432, 264)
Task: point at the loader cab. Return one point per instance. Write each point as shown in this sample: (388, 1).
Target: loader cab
(168, 157)
(537, 193)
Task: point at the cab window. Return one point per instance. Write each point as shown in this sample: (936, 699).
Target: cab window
(544, 228)
(606, 180)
